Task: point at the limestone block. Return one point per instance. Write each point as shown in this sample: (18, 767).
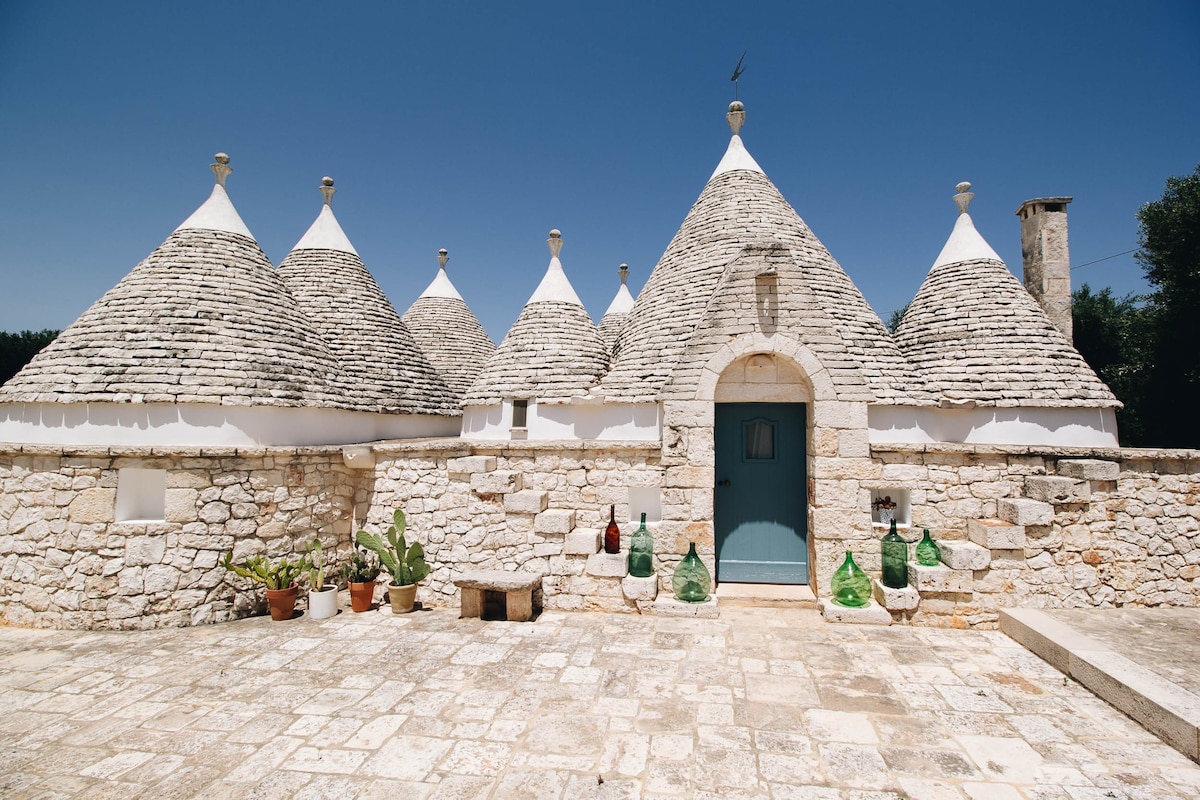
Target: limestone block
(608, 565)
(964, 555)
(142, 550)
(469, 465)
(1023, 511)
(1089, 469)
(635, 588)
(497, 482)
(93, 505)
(1057, 490)
(554, 520)
(938, 579)
(582, 542)
(180, 505)
(995, 534)
(668, 606)
(870, 614)
(904, 599)
(526, 501)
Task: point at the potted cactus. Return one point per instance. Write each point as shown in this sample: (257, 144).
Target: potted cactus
(322, 596)
(404, 562)
(360, 573)
(278, 580)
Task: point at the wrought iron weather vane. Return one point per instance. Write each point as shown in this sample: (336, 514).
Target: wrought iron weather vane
(737, 73)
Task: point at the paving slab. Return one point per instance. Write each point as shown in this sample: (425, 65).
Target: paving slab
(759, 703)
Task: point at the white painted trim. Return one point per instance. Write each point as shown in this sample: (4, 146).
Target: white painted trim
(325, 234)
(1032, 426)
(965, 244)
(171, 425)
(555, 287)
(216, 214)
(736, 157)
(566, 421)
(441, 286)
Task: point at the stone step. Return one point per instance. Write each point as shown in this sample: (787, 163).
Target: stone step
(870, 614)
(766, 595)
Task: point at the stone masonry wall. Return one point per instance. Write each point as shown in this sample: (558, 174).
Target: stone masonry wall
(66, 562)
(1064, 528)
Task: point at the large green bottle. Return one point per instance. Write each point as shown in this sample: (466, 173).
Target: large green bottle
(641, 552)
(895, 559)
(850, 586)
(691, 580)
(928, 553)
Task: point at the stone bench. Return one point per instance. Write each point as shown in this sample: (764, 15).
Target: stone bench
(516, 589)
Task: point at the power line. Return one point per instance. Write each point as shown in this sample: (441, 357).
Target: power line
(1106, 258)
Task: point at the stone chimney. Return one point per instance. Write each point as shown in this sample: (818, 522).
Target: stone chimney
(1046, 259)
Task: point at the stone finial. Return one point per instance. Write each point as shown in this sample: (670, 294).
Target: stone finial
(555, 243)
(443, 257)
(736, 117)
(964, 196)
(327, 190)
(221, 168)
(623, 271)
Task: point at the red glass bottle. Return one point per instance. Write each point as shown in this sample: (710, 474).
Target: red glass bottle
(612, 534)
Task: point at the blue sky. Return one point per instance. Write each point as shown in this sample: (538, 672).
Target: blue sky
(480, 126)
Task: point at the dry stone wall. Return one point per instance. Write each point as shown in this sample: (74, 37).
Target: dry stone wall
(66, 562)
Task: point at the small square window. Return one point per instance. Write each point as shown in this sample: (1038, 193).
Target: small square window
(141, 495)
(758, 436)
(520, 413)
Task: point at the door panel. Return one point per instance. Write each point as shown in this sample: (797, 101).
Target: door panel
(760, 502)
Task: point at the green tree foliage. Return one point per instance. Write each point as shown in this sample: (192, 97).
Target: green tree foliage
(894, 320)
(1114, 336)
(1170, 255)
(16, 349)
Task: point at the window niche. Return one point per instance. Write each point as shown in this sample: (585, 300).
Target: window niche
(901, 507)
(141, 495)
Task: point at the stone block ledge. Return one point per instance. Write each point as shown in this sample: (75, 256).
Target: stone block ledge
(870, 614)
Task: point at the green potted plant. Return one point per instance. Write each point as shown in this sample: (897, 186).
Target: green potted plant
(404, 562)
(278, 580)
(360, 573)
(322, 596)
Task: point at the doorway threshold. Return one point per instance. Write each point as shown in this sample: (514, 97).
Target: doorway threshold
(766, 595)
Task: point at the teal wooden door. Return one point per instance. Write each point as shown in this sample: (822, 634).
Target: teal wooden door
(760, 503)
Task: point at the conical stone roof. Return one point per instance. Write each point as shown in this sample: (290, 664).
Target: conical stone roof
(740, 207)
(203, 319)
(382, 368)
(553, 351)
(448, 333)
(976, 334)
(618, 310)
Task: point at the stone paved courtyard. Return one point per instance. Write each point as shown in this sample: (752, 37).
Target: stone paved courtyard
(760, 703)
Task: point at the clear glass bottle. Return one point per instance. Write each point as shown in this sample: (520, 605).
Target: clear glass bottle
(641, 552)
(691, 580)
(928, 553)
(895, 559)
(850, 586)
(612, 534)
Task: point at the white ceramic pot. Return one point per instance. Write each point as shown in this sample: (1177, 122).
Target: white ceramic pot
(323, 604)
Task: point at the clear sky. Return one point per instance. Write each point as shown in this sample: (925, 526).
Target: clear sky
(479, 126)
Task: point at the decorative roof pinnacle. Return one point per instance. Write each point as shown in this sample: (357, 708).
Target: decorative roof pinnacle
(221, 168)
(736, 117)
(443, 257)
(327, 190)
(964, 196)
(623, 271)
(555, 243)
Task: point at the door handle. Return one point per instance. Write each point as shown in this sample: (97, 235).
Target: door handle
(725, 482)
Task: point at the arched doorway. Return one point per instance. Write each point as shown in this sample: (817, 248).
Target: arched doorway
(760, 502)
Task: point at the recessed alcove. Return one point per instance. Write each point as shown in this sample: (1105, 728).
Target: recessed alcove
(902, 510)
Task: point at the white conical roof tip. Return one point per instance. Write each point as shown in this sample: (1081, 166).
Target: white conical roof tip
(965, 243)
(441, 285)
(217, 212)
(736, 156)
(554, 286)
(326, 233)
(623, 301)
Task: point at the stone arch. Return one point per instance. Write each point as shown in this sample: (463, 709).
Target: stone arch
(748, 344)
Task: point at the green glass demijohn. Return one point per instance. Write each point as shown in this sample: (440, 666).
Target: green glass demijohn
(641, 552)
(691, 580)
(850, 586)
(895, 559)
(928, 553)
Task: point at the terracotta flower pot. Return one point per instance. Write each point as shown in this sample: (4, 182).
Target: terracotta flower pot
(361, 595)
(402, 598)
(282, 602)
(322, 603)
